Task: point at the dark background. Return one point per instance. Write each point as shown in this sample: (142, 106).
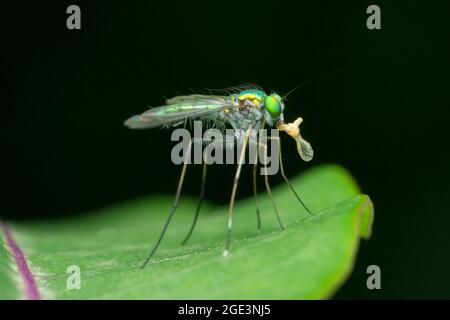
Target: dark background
(66, 94)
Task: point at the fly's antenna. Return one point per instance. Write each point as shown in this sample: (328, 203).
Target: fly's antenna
(309, 80)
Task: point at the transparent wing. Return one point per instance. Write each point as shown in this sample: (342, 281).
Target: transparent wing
(194, 97)
(179, 109)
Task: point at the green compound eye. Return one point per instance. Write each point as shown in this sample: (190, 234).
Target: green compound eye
(273, 106)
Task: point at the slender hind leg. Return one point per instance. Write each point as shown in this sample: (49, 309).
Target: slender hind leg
(233, 191)
(174, 206)
(269, 192)
(199, 205)
(202, 190)
(286, 179)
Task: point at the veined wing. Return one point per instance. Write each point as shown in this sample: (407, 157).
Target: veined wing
(195, 97)
(179, 109)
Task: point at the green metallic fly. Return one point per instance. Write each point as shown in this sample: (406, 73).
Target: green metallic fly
(244, 108)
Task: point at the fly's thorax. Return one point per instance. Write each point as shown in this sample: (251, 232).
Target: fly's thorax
(242, 118)
(252, 98)
(251, 103)
(252, 106)
(249, 109)
(270, 107)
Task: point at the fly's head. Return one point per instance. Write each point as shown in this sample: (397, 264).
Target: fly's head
(274, 106)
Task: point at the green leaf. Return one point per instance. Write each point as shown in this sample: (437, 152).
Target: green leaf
(8, 286)
(310, 259)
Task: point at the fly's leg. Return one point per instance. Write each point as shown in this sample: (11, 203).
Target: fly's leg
(200, 200)
(222, 142)
(233, 191)
(266, 181)
(255, 192)
(285, 177)
(174, 206)
(255, 187)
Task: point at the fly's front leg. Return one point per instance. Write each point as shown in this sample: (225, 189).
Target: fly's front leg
(285, 177)
(266, 181)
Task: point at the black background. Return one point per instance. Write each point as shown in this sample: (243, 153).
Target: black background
(66, 94)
